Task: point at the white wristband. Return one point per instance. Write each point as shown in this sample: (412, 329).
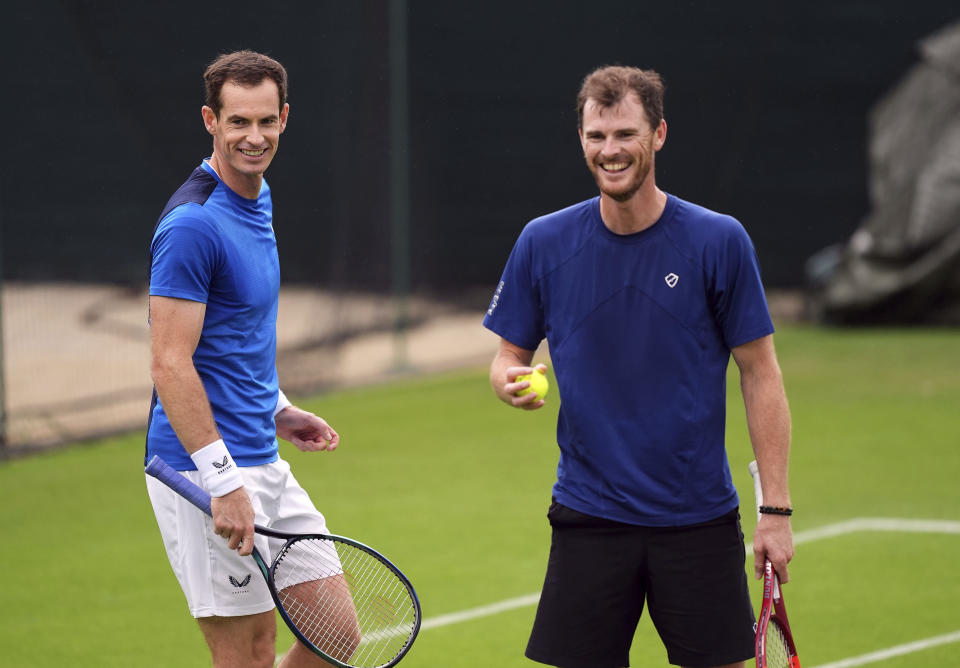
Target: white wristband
(218, 471)
(282, 402)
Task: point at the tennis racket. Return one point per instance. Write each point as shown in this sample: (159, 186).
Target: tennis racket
(774, 645)
(340, 598)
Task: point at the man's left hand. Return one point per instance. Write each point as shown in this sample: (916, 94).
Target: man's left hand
(305, 430)
(773, 540)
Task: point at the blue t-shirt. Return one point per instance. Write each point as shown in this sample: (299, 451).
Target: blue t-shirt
(213, 246)
(640, 329)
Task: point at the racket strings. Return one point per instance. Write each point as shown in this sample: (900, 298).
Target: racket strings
(777, 652)
(345, 601)
(325, 619)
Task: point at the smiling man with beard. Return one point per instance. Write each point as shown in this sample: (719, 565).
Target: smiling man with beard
(642, 298)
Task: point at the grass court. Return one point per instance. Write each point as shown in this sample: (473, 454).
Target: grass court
(454, 487)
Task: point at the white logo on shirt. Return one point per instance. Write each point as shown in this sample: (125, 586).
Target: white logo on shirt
(496, 298)
(671, 279)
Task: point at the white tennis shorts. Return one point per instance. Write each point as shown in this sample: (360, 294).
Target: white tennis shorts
(215, 579)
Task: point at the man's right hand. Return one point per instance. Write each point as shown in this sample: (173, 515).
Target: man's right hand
(512, 361)
(509, 393)
(233, 519)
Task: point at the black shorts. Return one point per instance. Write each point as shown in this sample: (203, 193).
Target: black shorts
(601, 572)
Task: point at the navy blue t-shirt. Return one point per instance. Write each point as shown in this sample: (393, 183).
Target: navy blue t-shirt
(216, 247)
(640, 329)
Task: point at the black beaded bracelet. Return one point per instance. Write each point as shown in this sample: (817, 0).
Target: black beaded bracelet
(775, 510)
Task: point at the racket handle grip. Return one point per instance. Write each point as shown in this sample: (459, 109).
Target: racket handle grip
(162, 471)
(757, 489)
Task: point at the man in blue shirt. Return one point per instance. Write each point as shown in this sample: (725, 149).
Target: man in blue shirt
(217, 408)
(642, 298)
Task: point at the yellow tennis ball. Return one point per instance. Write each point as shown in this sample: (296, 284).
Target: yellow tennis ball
(538, 384)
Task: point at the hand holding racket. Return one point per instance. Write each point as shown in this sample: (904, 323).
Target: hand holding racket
(774, 644)
(341, 599)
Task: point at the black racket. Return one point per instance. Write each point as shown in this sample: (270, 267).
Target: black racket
(340, 598)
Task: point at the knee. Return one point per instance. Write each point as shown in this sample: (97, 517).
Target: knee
(264, 648)
(345, 643)
(353, 639)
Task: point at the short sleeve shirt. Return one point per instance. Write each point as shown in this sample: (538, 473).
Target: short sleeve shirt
(215, 247)
(640, 328)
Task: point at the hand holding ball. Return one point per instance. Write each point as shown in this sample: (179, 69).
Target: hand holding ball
(538, 384)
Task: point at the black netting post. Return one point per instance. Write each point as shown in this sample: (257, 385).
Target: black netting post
(399, 178)
(3, 386)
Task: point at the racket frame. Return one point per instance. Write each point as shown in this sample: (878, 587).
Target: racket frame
(199, 497)
(772, 607)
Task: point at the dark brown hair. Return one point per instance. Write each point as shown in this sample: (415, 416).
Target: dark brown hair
(247, 68)
(609, 85)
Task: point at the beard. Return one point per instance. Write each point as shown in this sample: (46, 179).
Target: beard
(623, 192)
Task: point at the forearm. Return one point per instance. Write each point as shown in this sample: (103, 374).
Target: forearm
(185, 403)
(175, 328)
(768, 421)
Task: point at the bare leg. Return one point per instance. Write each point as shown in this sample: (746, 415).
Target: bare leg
(249, 640)
(300, 657)
(323, 610)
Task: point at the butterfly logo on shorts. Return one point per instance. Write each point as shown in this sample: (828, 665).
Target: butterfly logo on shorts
(219, 465)
(240, 583)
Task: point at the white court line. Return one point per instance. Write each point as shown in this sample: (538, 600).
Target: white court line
(890, 652)
(872, 524)
(483, 611)
(808, 536)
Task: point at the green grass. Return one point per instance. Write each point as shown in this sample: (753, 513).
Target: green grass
(454, 487)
